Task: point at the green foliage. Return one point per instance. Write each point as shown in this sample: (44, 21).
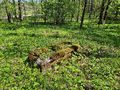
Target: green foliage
(98, 67)
(57, 10)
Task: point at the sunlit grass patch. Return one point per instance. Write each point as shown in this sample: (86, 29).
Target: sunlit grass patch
(97, 67)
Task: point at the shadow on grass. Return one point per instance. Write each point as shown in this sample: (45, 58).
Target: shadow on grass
(24, 34)
(105, 38)
(54, 35)
(52, 25)
(7, 26)
(94, 33)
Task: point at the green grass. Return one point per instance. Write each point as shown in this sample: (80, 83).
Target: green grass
(80, 72)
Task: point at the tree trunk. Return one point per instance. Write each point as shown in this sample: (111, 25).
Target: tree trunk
(19, 10)
(14, 5)
(117, 10)
(24, 9)
(106, 11)
(102, 12)
(83, 14)
(116, 13)
(91, 8)
(9, 17)
(78, 12)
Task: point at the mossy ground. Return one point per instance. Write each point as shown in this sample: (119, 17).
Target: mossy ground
(80, 72)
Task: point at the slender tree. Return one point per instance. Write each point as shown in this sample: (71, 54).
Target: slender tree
(83, 13)
(116, 7)
(9, 16)
(106, 11)
(14, 6)
(102, 12)
(24, 7)
(73, 10)
(91, 8)
(116, 12)
(19, 10)
(78, 11)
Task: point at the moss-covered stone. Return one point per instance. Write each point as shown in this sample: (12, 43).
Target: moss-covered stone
(61, 51)
(35, 54)
(61, 45)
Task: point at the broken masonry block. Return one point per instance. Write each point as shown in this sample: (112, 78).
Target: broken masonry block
(54, 58)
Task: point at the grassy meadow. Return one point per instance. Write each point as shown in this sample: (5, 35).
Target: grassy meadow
(98, 68)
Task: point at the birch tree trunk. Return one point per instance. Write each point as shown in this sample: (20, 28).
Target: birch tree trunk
(106, 11)
(14, 5)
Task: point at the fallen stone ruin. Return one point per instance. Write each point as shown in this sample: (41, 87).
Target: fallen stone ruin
(45, 58)
(60, 51)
